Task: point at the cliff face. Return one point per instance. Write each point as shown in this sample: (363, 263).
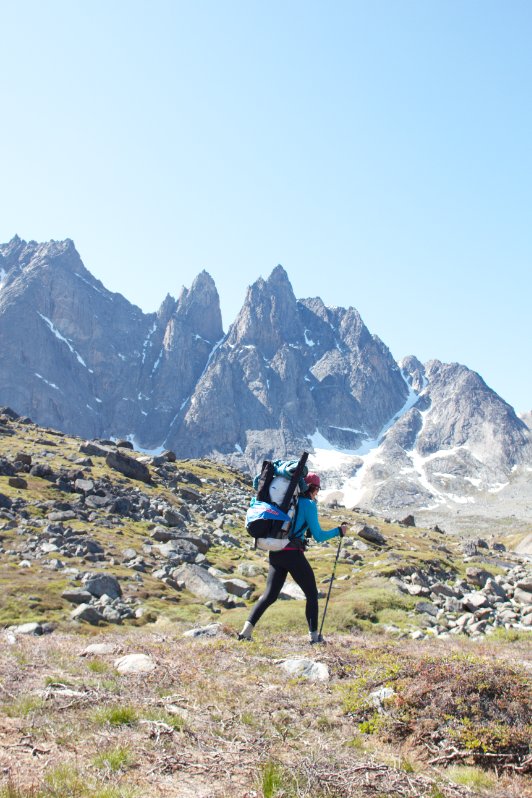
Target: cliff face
(289, 375)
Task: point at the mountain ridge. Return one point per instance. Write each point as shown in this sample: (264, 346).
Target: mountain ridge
(289, 374)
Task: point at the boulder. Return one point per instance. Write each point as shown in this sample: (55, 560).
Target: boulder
(7, 469)
(522, 596)
(93, 449)
(5, 502)
(169, 455)
(123, 444)
(85, 486)
(61, 515)
(29, 629)
(201, 583)
(128, 466)
(120, 506)
(236, 587)
(86, 613)
(370, 533)
(408, 521)
(525, 584)
(76, 596)
(291, 591)
(427, 607)
(250, 569)
(111, 615)
(492, 588)
(182, 550)
(442, 589)
(98, 648)
(18, 483)
(477, 576)
(475, 601)
(453, 604)
(469, 548)
(190, 494)
(100, 584)
(42, 470)
(135, 663)
(173, 518)
(212, 630)
(498, 547)
(306, 668)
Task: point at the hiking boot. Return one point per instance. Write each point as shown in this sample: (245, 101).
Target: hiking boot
(243, 637)
(318, 640)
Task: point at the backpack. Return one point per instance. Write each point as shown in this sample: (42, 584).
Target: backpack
(270, 517)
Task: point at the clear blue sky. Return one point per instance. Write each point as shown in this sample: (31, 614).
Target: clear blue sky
(381, 151)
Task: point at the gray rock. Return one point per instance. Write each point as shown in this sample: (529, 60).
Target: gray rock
(522, 596)
(23, 457)
(128, 466)
(525, 584)
(111, 615)
(408, 521)
(250, 569)
(370, 534)
(173, 518)
(236, 587)
(498, 547)
(61, 515)
(86, 613)
(85, 486)
(183, 550)
(491, 587)
(17, 482)
(212, 630)
(29, 629)
(135, 663)
(477, 576)
(427, 607)
(441, 589)
(306, 668)
(453, 604)
(475, 601)
(93, 449)
(201, 583)
(99, 584)
(76, 596)
(469, 548)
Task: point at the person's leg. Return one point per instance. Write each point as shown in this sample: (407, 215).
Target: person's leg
(301, 572)
(276, 579)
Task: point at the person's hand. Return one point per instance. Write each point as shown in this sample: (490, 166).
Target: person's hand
(343, 530)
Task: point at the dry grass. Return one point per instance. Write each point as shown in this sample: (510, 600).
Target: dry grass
(218, 718)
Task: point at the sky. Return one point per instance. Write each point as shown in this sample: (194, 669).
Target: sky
(379, 150)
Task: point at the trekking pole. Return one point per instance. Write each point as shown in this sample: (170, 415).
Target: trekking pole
(331, 582)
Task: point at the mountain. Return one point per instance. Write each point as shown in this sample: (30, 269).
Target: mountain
(289, 375)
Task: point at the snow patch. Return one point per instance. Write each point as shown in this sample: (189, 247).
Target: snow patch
(308, 340)
(146, 342)
(238, 448)
(3, 274)
(157, 361)
(92, 286)
(62, 338)
(51, 384)
(98, 400)
(154, 452)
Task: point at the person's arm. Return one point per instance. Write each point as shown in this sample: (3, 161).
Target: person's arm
(311, 517)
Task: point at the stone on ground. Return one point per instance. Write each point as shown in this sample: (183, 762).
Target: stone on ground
(135, 663)
(307, 668)
(201, 583)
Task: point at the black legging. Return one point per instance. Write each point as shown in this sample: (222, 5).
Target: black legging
(296, 564)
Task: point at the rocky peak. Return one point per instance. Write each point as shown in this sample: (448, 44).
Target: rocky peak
(199, 308)
(168, 306)
(268, 318)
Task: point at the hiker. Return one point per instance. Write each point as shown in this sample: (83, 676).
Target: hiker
(291, 560)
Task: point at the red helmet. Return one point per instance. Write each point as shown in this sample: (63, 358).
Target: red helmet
(313, 479)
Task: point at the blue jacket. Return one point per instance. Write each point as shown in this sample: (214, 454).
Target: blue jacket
(307, 515)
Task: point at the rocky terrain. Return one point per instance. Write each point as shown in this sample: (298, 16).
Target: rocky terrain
(125, 578)
(289, 375)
